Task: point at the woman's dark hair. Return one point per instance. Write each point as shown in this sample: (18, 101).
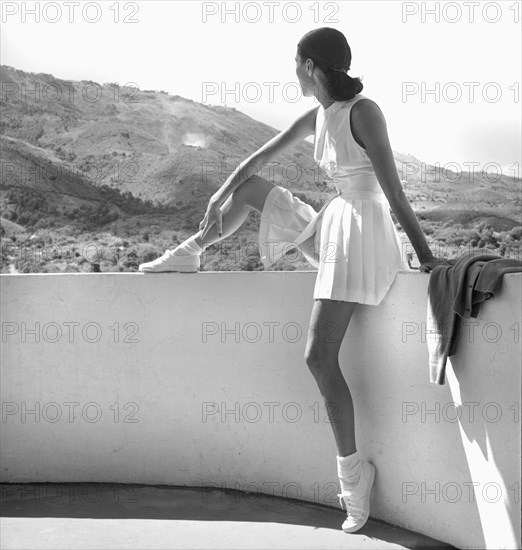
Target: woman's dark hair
(329, 50)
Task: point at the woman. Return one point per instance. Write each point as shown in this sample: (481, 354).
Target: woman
(352, 240)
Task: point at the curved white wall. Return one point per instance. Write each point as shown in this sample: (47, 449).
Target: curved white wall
(194, 379)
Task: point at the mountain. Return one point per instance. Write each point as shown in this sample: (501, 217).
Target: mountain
(90, 155)
(159, 147)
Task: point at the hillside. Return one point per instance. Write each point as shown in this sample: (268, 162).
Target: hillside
(83, 160)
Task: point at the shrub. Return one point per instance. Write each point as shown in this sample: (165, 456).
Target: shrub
(147, 253)
(516, 233)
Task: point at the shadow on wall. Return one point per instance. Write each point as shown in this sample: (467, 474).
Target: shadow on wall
(479, 409)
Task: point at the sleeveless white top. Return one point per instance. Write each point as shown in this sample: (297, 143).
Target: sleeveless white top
(343, 159)
(356, 247)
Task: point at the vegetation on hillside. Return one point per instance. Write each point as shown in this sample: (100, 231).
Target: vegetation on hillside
(107, 185)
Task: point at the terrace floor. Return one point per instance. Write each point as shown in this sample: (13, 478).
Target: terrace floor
(119, 516)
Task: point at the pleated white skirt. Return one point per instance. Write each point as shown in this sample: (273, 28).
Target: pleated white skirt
(352, 241)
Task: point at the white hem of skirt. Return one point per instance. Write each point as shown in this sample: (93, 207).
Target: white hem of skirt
(287, 222)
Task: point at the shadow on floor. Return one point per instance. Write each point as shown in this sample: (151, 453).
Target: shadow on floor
(224, 516)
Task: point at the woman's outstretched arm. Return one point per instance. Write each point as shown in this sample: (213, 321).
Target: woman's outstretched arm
(298, 130)
(369, 127)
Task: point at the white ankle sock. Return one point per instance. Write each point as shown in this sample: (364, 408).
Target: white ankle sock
(349, 470)
(188, 247)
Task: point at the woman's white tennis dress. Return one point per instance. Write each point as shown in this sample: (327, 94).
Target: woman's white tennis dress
(352, 240)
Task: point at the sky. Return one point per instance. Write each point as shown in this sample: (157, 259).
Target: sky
(445, 74)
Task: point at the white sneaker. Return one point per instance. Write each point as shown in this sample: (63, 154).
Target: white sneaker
(357, 500)
(184, 263)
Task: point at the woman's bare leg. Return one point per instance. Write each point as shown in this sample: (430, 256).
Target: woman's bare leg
(185, 257)
(250, 194)
(328, 324)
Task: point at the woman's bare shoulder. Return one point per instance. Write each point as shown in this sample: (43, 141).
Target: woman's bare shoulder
(366, 117)
(366, 107)
(367, 122)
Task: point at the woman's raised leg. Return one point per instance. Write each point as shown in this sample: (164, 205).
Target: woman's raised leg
(250, 194)
(186, 256)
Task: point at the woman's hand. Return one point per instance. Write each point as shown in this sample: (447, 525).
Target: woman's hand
(430, 263)
(212, 216)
